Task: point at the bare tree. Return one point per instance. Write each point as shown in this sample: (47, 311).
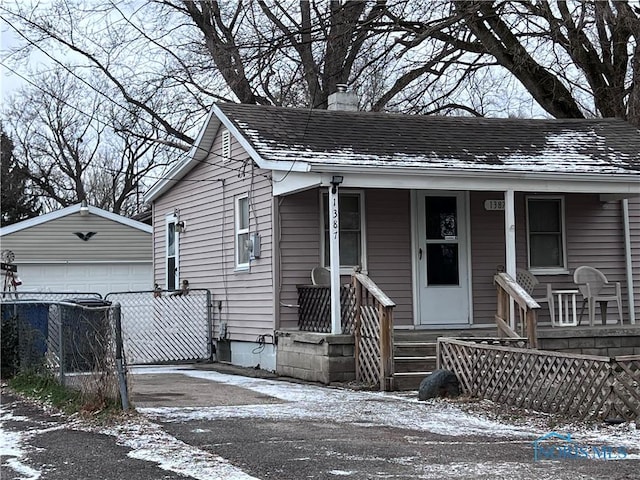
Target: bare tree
(16, 198)
(167, 60)
(76, 146)
(575, 59)
(289, 53)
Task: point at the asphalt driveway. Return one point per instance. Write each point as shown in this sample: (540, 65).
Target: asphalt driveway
(197, 423)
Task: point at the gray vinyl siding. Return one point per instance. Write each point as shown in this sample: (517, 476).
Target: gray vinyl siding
(594, 236)
(55, 241)
(388, 235)
(388, 214)
(205, 198)
(299, 249)
(487, 252)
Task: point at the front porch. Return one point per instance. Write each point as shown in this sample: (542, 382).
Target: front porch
(311, 352)
(327, 358)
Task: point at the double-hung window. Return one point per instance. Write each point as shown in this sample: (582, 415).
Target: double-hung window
(545, 232)
(351, 216)
(242, 233)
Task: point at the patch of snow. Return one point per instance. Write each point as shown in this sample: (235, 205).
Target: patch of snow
(149, 442)
(374, 409)
(565, 152)
(11, 448)
(314, 402)
(25, 472)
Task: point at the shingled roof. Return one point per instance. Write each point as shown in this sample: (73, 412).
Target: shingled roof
(366, 139)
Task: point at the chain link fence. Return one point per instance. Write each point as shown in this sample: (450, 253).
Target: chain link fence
(76, 339)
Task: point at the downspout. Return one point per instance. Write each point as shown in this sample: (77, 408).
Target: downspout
(628, 260)
(276, 259)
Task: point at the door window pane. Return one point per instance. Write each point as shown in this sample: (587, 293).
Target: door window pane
(441, 218)
(171, 239)
(171, 273)
(442, 264)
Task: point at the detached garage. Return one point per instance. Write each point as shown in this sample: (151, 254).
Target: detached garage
(81, 249)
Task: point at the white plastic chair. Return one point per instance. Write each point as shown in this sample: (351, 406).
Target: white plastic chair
(528, 281)
(595, 287)
(321, 276)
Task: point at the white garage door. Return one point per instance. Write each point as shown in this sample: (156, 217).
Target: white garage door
(102, 278)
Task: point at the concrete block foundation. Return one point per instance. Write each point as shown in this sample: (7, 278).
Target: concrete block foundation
(315, 357)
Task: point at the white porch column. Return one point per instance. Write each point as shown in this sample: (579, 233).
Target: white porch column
(510, 242)
(628, 261)
(334, 258)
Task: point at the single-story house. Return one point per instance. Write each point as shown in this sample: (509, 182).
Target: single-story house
(80, 248)
(428, 207)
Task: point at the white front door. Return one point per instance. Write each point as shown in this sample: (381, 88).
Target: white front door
(442, 251)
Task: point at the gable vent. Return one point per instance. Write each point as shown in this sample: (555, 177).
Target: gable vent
(226, 146)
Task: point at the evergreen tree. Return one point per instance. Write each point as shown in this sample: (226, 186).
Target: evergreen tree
(15, 203)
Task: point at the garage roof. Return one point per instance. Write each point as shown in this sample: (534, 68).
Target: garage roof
(72, 209)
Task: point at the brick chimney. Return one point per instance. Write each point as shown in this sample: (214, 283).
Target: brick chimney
(342, 99)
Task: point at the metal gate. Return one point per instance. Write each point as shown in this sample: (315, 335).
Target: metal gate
(160, 326)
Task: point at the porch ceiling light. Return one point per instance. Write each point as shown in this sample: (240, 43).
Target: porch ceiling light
(335, 181)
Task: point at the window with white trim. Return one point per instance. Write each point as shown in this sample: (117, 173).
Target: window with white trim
(352, 241)
(545, 234)
(171, 252)
(242, 232)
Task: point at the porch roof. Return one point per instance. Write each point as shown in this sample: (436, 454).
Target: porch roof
(321, 138)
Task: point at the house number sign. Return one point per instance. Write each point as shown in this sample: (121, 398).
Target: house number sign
(334, 216)
(494, 204)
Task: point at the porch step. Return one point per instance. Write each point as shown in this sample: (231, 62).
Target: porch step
(413, 360)
(432, 335)
(414, 364)
(409, 380)
(414, 349)
(414, 353)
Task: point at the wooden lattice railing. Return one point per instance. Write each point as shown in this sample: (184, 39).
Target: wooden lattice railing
(314, 311)
(582, 386)
(373, 333)
(508, 289)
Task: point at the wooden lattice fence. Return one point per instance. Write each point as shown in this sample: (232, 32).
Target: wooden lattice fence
(582, 386)
(367, 313)
(373, 333)
(314, 312)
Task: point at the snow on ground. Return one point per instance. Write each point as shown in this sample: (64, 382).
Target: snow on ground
(12, 448)
(149, 442)
(375, 409)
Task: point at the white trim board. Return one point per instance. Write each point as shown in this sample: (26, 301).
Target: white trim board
(70, 210)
